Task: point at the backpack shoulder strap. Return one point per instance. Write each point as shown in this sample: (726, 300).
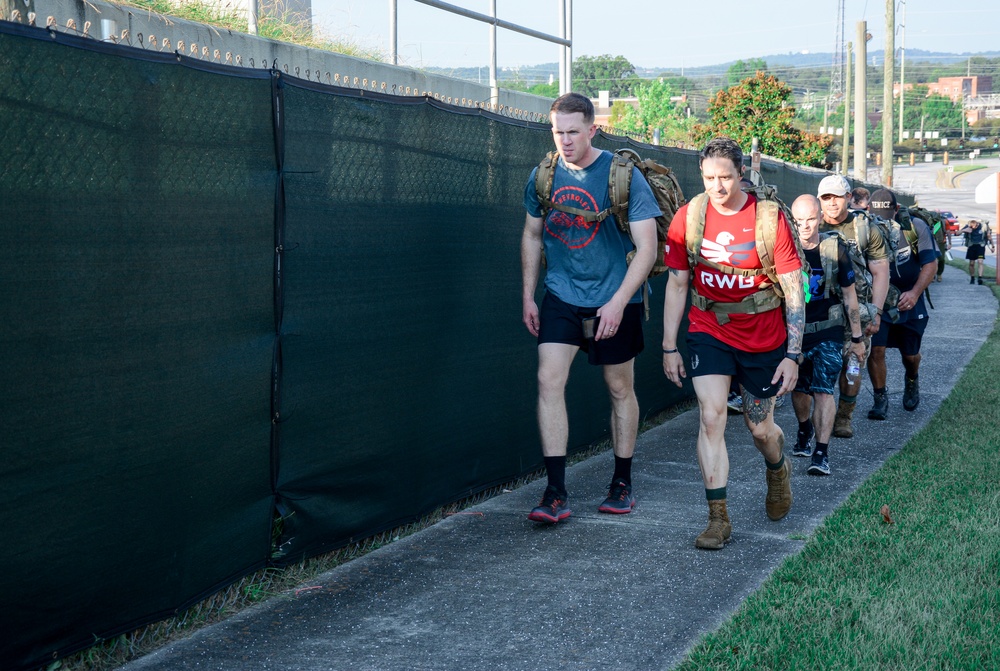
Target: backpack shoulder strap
(694, 233)
(767, 236)
(829, 252)
(620, 183)
(543, 181)
(861, 225)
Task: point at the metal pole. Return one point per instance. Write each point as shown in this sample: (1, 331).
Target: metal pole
(252, 17)
(563, 84)
(845, 158)
(902, 70)
(393, 52)
(861, 105)
(569, 47)
(494, 85)
(890, 75)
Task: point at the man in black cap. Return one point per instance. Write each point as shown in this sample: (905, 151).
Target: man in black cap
(913, 270)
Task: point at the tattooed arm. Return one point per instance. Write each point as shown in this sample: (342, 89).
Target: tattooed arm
(853, 314)
(795, 318)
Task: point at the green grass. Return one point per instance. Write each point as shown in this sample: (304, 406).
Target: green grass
(965, 168)
(920, 593)
(274, 22)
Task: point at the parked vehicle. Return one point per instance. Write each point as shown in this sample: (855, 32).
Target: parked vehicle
(950, 222)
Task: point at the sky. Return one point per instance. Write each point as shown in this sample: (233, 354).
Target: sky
(654, 33)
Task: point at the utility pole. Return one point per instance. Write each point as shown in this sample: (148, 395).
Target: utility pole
(890, 75)
(902, 69)
(861, 105)
(847, 114)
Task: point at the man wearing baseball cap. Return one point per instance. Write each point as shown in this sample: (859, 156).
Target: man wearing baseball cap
(865, 242)
(913, 271)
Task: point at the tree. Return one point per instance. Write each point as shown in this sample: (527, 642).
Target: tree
(741, 70)
(759, 107)
(614, 74)
(656, 109)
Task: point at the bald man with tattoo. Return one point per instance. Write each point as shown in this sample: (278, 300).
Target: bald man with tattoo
(737, 327)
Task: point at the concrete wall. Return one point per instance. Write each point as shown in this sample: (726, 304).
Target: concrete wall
(147, 30)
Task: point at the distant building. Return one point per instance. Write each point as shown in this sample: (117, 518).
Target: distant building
(956, 88)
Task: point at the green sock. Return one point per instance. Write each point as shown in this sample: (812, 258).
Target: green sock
(718, 494)
(777, 466)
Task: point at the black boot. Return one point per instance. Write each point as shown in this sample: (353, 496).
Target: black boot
(911, 395)
(881, 406)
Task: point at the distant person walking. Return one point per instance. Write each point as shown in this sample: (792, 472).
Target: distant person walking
(736, 328)
(593, 298)
(912, 271)
(977, 238)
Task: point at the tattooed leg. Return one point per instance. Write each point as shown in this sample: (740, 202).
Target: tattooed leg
(756, 410)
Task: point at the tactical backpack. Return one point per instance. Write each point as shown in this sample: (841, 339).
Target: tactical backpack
(660, 178)
(891, 231)
(830, 254)
(769, 294)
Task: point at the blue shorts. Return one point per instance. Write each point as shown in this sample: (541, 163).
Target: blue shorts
(563, 323)
(906, 337)
(820, 368)
(753, 370)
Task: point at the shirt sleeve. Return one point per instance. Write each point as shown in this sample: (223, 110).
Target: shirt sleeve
(786, 255)
(877, 248)
(926, 252)
(676, 254)
(641, 201)
(531, 203)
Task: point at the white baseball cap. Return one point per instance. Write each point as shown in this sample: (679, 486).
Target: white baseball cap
(833, 185)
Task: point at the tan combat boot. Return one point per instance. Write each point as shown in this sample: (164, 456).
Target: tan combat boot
(842, 422)
(719, 529)
(779, 491)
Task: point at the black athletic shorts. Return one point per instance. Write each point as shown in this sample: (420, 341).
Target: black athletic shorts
(753, 370)
(905, 337)
(563, 323)
(975, 252)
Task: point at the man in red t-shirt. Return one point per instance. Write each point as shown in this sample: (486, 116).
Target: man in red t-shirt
(726, 341)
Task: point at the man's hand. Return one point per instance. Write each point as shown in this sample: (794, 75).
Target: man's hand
(673, 367)
(610, 319)
(788, 373)
(529, 315)
(907, 300)
(859, 351)
(873, 327)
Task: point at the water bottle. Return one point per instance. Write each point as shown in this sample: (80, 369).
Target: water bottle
(853, 368)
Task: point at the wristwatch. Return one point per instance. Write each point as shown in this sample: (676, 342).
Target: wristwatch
(796, 357)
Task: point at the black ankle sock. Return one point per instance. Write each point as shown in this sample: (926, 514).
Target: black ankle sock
(623, 469)
(555, 468)
(879, 391)
(718, 494)
(805, 427)
(777, 466)
(820, 450)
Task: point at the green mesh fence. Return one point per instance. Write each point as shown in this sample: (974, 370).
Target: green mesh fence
(232, 297)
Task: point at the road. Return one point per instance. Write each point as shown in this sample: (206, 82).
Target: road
(937, 189)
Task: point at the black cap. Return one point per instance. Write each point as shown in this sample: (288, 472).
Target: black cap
(883, 203)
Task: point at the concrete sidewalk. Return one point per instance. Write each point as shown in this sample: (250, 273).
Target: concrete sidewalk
(487, 589)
